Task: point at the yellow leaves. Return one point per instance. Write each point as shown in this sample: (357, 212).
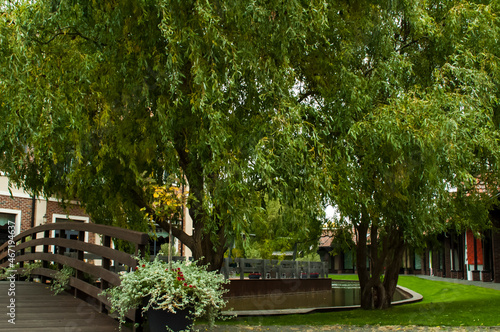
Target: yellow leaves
(167, 201)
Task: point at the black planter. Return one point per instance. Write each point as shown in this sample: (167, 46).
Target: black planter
(253, 276)
(158, 320)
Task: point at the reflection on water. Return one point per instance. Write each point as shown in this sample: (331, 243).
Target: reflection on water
(342, 296)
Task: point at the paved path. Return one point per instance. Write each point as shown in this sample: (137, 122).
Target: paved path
(491, 285)
(309, 328)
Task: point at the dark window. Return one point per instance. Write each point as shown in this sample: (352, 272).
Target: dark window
(5, 220)
(418, 261)
(348, 260)
(72, 235)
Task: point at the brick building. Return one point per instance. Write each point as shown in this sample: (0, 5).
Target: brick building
(454, 255)
(19, 208)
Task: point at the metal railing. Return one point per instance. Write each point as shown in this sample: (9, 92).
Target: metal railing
(274, 269)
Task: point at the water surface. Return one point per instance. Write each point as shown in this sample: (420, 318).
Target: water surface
(343, 294)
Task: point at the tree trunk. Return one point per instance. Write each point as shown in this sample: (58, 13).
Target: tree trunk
(207, 248)
(361, 255)
(392, 271)
(376, 294)
(213, 253)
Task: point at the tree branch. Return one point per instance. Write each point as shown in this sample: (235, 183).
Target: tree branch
(179, 234)
(306, 95)
(74, 33)
(411, 43)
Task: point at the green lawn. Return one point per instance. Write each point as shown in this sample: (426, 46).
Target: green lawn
(444, 304)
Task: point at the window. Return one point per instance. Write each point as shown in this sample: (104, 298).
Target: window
(418, 261)
(348, 260)
(69, 234)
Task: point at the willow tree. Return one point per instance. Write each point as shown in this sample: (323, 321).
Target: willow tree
(407, 99)
(99, 98)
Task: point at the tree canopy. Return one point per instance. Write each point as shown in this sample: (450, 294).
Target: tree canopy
(416, 134)
(378, 108)
(101, 98)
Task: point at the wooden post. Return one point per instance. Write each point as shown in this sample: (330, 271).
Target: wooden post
(61, 250)
(241, 262)
(106, 242)
(80, 255)
(264, 269)
(45, 264)
(226, 268)
(33, 248)
(21, 263)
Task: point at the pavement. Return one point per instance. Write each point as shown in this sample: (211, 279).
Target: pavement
(490, 285)
(325, 328)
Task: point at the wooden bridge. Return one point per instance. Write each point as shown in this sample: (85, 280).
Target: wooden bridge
(41, 252)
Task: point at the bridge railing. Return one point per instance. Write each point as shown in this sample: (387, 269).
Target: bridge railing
(48, 244)
(274, 269)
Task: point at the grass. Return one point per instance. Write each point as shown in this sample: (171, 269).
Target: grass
(444, 304)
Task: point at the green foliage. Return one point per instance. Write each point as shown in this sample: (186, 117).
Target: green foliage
(408, 98)
(342, 240)
(164, 250)
(270, 229)
(426, 97)
(6, 272)
(378, 108)
(28, 269)
(309, 257)
(61, 279)
(171, 287)
(96, 96)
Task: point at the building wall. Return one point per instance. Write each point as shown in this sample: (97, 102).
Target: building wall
(31, 211)
(17, 202)
(56, 209)
(20, 206)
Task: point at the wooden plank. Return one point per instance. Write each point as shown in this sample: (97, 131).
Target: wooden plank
(98, 250)
(116, 232)
(37, 309)
(96, 271)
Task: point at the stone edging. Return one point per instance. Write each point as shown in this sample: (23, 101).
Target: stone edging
(415, 297)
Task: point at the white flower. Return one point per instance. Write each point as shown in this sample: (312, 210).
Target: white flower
(184, 285)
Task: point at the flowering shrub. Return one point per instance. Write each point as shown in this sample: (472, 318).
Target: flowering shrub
(183, 285)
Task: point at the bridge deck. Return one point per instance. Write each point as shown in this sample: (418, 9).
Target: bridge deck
(37, 309)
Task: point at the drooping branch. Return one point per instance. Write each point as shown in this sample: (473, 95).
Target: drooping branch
(73, 33)
(306, 95)
(415, 41)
